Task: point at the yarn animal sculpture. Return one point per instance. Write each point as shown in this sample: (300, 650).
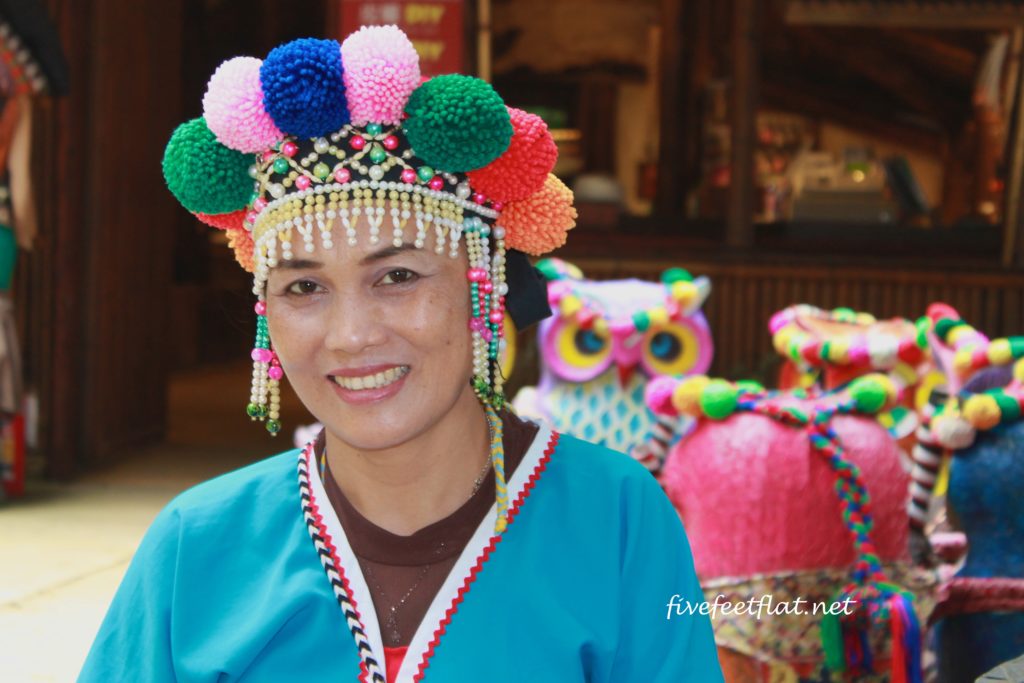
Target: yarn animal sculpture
(979, 621)
(773, 488)
(602, 346)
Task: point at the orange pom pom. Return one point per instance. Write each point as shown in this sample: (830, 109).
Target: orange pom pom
(539, 223)
(241, 241)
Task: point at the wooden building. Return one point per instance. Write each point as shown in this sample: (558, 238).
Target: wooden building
(666, 111)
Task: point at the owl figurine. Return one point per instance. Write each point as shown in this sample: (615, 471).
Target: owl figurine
(604, 343)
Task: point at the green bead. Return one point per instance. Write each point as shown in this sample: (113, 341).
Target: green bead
(868, 394)
(1017, 347)
(641, 321)
(844, 314)
(377, 154)
(280, 165)
(943, 327)
(1009, 408)
(374, 129)
(673, 275)
(273, 426)
(425, 173)
(252, 410)
(321, 170)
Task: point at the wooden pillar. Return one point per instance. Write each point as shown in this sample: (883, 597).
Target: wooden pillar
(107, 226)
(672, 119)
(1013, 225)
(739, 231)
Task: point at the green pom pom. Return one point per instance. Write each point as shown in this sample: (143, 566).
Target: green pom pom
(676, 275)
(457, 123)
(750, 386)
(718, 400)
(204, 175)
(868, 394)
(1009, 408)
(641, 321)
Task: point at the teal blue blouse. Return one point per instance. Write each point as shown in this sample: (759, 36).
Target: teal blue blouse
(227, 586)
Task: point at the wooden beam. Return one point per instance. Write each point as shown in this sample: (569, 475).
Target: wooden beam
(930, 15)
(739, 229)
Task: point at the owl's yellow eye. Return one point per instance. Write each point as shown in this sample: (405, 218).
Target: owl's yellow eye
(582, 348)
(670, 350)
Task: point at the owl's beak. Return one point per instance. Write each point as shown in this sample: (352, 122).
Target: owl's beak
(625, 374)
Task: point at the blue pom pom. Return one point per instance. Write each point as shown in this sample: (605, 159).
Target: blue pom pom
(303, 87)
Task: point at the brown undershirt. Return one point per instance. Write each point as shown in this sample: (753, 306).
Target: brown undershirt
(404, 573)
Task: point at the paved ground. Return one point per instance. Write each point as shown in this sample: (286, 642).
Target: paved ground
(64, 548)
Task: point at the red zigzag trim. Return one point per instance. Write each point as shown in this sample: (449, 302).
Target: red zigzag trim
(483, 557)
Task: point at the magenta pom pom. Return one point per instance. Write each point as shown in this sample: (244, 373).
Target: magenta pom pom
(658, 395)
(381, 71)
(524, 166)
(233, 107)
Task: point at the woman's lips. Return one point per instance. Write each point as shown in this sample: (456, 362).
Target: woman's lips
(368, 384)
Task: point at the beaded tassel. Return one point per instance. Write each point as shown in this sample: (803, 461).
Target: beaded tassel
(265, 398)
(487, 296)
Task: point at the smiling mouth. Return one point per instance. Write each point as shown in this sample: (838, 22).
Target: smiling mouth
(374, 381)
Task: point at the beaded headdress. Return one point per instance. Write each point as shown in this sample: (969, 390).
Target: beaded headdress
(319, 135)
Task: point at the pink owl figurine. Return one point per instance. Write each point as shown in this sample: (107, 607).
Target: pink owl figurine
(604, 343)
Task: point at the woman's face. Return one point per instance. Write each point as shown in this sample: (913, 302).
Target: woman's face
(374, 339)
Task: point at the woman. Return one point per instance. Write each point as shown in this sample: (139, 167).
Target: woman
(382, 208)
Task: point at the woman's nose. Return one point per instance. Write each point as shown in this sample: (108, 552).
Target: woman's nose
(354, 325)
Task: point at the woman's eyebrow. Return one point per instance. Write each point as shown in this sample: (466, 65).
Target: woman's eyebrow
(386, 252)
(301, 264)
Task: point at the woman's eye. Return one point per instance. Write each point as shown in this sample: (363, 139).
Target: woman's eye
(303, 287)
(398, 276)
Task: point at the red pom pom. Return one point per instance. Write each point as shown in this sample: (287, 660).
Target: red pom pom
(224, 221)
(525, 165)
(539, 223)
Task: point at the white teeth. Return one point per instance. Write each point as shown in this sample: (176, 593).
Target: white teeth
(375, 381)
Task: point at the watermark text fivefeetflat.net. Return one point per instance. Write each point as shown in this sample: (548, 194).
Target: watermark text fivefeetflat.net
(764, 606)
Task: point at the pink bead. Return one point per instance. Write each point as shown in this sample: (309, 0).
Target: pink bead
(476, 324)
(408, 176)
(496, 317)
(475, 274)
(262, 355)
(269, 155)
(436, 183)
(251, 217)
(357, 142)
(487, 287)
(342, 175)
(259, 205)
(289, 149)
(390, 142)
(261, 308)
(497, 206)
(486, 334)
(275, 372)
(479, 197)
(302, 182)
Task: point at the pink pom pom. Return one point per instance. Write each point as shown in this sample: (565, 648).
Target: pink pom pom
(381, 71)
(539, 223)
(658, 395)
(233, 107)
(524, 166)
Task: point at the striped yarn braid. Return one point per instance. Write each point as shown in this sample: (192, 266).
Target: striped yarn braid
(498, 461)
(927, 456)
(653, 451)
(369, 669)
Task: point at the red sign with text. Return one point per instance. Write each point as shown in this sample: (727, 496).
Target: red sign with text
(435, 28)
